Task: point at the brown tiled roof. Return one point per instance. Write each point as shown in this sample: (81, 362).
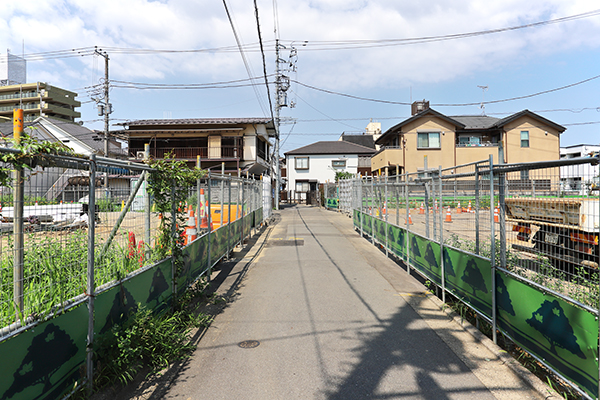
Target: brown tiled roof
(196, 121)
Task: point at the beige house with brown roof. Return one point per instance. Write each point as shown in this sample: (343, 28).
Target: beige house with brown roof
(449, 141)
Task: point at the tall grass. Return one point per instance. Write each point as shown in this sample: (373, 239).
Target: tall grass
(55, 271)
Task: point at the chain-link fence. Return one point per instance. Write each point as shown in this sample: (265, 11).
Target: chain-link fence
(80, 250)
(513, 242)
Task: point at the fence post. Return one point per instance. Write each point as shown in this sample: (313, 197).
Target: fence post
(198, 204)
(91, 287)
(209, 222)
(242, 222)
(501, 216)
(406, 201)
(426, 195)
(386, 214)
(222, 190)
(442, 238)
(18, 199)
(147, 204)
(372, 208)
(229, 219)
(362, 211)
(477, 209)
(493, 251)
(174, 206)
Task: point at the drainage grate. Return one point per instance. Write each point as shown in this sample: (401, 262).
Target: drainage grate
(249, 344)
(286, 242)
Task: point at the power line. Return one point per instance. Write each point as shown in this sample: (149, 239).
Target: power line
(371, 43)
(311, 45)
(322, 113)
(448, 104)
(264, 62)
(246, 63)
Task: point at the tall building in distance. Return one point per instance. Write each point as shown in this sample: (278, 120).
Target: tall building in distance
(36, 99)
(13, 69)
(39, 100)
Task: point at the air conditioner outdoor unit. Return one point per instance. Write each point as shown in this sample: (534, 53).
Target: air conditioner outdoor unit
(139, 155)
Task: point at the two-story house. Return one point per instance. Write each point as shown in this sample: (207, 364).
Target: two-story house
(317, 163)
(240, 143)
(429, 139)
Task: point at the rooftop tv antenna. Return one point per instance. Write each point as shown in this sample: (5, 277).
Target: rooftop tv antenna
(482, 106)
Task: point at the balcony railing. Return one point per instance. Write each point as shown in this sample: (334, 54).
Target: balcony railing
(190, 153)
(482, 144)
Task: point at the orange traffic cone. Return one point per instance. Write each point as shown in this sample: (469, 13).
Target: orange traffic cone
(497, 214)
(409, 218)
(448, 216)
(422, 209)
(458, 208)
(202, 211)
(190, 231)
(384, 208)
(469, 207)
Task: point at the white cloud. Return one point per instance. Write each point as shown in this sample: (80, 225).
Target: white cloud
(47, 25)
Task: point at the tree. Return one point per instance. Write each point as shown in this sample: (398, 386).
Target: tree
(550, 320)
(343, 175)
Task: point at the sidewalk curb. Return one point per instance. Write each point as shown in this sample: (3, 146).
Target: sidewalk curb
(523, 373)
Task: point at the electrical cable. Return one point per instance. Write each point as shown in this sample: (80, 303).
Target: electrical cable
(262, 51)
(246, 63)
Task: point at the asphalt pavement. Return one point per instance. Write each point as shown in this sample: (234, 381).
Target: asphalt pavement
(317, 312)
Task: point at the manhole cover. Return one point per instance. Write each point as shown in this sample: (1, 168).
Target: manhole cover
(249, 344)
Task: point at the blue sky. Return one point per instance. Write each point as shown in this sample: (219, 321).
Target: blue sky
(511, 63)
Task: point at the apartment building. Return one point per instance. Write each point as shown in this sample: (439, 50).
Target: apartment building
(38, 100)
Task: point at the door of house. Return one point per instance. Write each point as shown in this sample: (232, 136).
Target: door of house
(214, 147)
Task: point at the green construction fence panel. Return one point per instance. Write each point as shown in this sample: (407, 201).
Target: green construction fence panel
(469, 278)
(46, 361)
(425, 256)
(397, 241)
(556, 331)
(151, 288)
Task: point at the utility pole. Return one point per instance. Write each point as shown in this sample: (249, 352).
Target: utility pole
(104, 107)
(282, 83)
(277, 111)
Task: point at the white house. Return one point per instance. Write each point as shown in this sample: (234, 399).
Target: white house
(578, 178)
(317, 163)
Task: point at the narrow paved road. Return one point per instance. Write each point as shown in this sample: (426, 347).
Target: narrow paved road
(336, 319)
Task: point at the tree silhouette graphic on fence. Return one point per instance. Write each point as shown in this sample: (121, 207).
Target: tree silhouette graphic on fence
(472, 276)
(550, 320)
(123, 305)
(448, 266)
(503, 296)
(414, 247)
(48, 352)
(430, 257)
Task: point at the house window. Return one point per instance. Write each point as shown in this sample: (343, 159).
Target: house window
(524, 138)
(302, 187)
(428, 140)
(338, 163)
(525, 174)
(301, 162)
